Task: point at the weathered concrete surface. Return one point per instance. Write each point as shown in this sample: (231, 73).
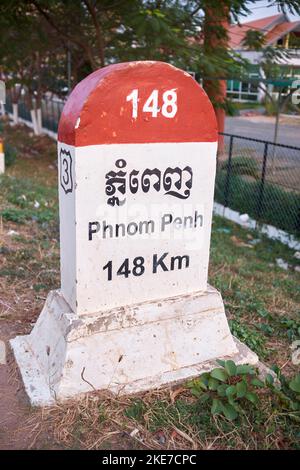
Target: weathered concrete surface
(2, 352)
(125, 350)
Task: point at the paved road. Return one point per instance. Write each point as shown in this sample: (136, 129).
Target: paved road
(262, 127)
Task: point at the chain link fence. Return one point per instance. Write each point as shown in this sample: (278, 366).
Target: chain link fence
(261, 179)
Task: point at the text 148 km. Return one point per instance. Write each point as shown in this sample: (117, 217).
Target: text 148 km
(136, 267)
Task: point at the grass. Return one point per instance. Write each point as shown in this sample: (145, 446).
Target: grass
(261, 300)
(279, 207)
(234, 107)
(247, 105)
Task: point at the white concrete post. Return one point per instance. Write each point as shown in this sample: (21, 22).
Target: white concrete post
(15, 113)
(39, 119)
(2, 108)
(137, 149)
(35, 122)
(2, 158)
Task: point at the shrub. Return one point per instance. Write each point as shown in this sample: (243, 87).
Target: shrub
(231, 389)
(228, 388)
(279, 207)
(242, 166)
(230, 108)
(10, 155)
(28, 201)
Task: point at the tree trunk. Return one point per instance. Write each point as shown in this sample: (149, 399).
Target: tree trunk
(215, 28)
(34, 119)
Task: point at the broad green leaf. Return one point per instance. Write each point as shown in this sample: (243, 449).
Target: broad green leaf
(276, 369)
(294, 405)
(241, 389)
(230, 368)
(191, 384)
(196, 392)
(295, 384)
(222, 390)
(204, 398)
(158, 13)
(232, 402)
(269, 379)
(155, 25)
(252, 397)
(244, 369)
(229, 412)
(216, 406)
(202, 382)
(213, 384)
(257, 383)
(202, 385)
(220, 362)
(230, 391)
(219, 374)
(204, 377)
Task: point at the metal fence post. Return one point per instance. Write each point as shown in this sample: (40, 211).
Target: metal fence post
(262, 181)
(227, 182)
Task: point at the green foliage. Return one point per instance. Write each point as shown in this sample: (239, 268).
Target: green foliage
(271, 107)
(242, 166)
(280, 208)
(254, 339)
(15, 215)
(10, 155)
(231, 389)
(290, 326)
(227, 388)
(288, 392)
(230, 108)
(136, 410)
(28, 201)
(102, 416)
(254, 40)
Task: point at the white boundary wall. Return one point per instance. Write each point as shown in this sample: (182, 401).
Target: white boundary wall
(269, 230)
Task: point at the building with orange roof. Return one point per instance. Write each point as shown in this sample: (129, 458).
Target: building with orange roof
(278, 31)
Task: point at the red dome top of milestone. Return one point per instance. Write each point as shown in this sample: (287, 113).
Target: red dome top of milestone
(137, 102)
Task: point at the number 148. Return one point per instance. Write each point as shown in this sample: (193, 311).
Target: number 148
(168, 109)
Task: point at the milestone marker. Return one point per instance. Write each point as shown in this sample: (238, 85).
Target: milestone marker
(137, 149)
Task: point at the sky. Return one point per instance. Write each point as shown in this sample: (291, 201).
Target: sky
(261, 10)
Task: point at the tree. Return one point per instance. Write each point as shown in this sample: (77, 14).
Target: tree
(39, 36)
(106, 31)
(218, 60)
(27, 60)
(273, 72)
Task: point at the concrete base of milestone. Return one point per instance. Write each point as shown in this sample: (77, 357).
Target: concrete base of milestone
(124, 350)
